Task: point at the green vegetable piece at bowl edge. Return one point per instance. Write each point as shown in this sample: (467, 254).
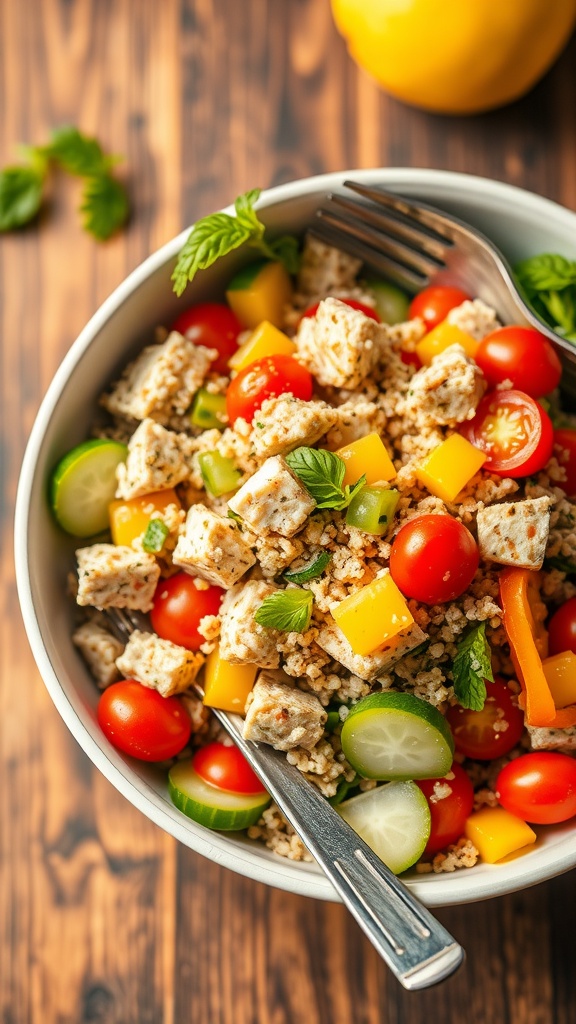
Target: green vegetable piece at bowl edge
(394, 820)
(83, 484)
(397, 736)
(210, 806)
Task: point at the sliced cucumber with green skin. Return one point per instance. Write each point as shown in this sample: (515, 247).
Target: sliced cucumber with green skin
(397, 736)
(392, 304)
(83, 484)
(215, 808)
(394, 820)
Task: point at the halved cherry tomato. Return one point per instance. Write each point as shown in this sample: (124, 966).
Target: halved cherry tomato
(448, 813)
(227, 768)
(213, 325)
(562, 628)
(353, 303)
(433, 559)
(142, 723)
(539, 787)
(492, 732)
(521, 355)
(178, 607)
(565, 452)
(266, 378)
(433, 304)
(513, 430)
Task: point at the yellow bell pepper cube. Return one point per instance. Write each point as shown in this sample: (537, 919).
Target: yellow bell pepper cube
(367, 455)
(371, 616)
(449, 467)
(266, 340)
(129, 519)
(260, 292)
(496, 833)
(227, 686)
(442, 337)
(560, 673)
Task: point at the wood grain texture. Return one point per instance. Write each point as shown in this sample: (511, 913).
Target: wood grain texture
(103, 918)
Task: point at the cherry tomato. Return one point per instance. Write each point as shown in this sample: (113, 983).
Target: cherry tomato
(433, 559)
(448, 813)
(179, 606)
(539, 788)
(521, 355)
(266, 378)
(434, 303)
(213, 325)
(410, 358)
(562, 628)
(142, 723)
(514, 431)
(353, 303)
(492, 732)
(565, 452)
(227, 768)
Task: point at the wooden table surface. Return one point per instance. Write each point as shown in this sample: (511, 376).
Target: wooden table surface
(103, 917)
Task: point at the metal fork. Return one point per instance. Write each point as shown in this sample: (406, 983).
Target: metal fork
(417, 948)
(414, 244)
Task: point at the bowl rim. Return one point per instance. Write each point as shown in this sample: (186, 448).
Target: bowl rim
(280, 873)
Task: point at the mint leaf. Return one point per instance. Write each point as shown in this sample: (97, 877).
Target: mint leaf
(155, 536)
(20, 196)
(311, 571)
(547, 272)
(218, 234)
(322, 474)
(287, 610)
(104, 206)
(471, 667)
(76, 153)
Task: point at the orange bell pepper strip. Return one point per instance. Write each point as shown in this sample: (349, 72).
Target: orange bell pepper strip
(528, 639)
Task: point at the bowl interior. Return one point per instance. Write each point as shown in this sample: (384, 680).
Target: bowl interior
(520, 224)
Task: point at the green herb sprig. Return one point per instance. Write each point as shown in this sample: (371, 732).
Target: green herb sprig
(471, 667)
(104, 205)
(287, 610)
(322, 474)
(549, 285)
(220, 233)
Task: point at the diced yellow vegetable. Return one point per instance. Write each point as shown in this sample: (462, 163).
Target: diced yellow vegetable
(560, 672)
(227, 686)
(263, 298)
(266, 340)
(373, 615)
(129, 519)
(450, 466)
(496, 833)
(442, 337)
(367, 455)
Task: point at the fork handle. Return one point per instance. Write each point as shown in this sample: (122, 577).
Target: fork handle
(416, 947)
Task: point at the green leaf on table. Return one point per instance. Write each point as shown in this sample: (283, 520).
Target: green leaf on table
(104, 206)
(286, 610)
(77, 153)
(20, 196)
(471, 668)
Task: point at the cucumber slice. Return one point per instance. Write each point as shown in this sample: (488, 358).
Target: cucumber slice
(392, 304)
(394, 820)
(397, 736)
(83, 484)
(210, 806)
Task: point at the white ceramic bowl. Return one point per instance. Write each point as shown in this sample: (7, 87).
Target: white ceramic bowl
(520, 223)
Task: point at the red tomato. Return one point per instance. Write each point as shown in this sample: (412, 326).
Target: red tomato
(179, 606)
(266, 378)
(353, 303)
(227, 768)
(410, 358)
(562, 628)
(433, 559)
(448, 813)
(514, 431)
(434, 303)
(213, 325)
(140, 722)
(522, 355)
(565, 452)
(539, 788)
(492, 732)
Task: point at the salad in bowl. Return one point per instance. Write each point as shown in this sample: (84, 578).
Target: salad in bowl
(347, 514)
